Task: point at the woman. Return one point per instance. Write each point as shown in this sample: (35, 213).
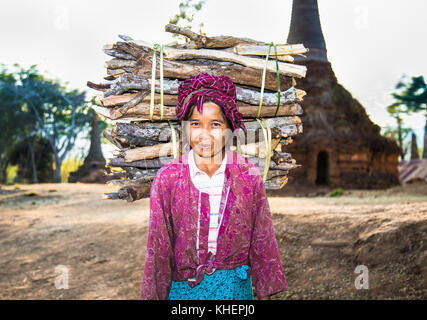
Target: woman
(211, 234)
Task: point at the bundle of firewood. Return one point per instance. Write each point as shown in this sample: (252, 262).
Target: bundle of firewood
(143, 131)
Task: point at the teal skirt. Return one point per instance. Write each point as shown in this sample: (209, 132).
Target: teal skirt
(232, 284)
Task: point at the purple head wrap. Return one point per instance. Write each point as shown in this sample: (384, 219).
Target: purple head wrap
(207, 87)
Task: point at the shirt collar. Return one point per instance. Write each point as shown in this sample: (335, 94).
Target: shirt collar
(195, 170)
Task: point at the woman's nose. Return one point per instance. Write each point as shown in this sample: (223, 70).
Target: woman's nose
(204, 134)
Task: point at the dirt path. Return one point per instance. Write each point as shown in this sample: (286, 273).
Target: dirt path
(102, 243)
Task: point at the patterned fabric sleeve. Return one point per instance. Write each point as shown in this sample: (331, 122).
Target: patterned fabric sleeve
(264, 256)
(159, 257)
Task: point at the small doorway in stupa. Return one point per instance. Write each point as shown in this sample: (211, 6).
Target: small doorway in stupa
(322, 168)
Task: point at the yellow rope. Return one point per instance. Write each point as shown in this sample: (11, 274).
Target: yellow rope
(263, 80)
(267, 138)
(153, 87)
(268, 154)
(262, 122)
(161, 82)
(174, 144)
(153, 79)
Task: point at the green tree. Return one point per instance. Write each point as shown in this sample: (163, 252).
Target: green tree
(41, 156)
(45, 106)
(401, 135)
(16, 126)
(412, 95)
(187, 11)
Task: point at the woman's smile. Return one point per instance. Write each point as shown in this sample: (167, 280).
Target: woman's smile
(205, 146)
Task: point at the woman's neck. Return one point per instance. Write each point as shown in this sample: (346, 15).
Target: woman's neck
(211, 164)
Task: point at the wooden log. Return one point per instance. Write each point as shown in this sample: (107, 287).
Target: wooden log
(256, 149)
(282, 157)
(156, 131)
(122, 110)
(291, 70)
(125, 141)
(128, 82)
(142, 190)
(160, 131)
(143, 153)
(276, 183)
(108, 134)
(248, 96)
(134, 173)
(237, 73)
(165, 149)
(143, 178)
(122, 70)
(200, 41)
(125, 37)
(286, 166)
(115, 174)
(147, 164)
(99, 87)
(125, 47)
(136, 135)
(130, 192)
(119, 54)
(116, 72)
(131, 81)
(125, 182)
(160, 162)
(119, 63)
(142, 110)
(132, 142)
(172, 55)
(277, 122)
(286, 58)
(283, 133)
(118, 100)
(262, 50)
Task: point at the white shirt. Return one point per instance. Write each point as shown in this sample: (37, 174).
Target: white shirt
(213, 186)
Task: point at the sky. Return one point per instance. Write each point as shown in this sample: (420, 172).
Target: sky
(370, 43)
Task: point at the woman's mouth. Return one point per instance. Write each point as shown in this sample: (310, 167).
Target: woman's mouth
(204, 146)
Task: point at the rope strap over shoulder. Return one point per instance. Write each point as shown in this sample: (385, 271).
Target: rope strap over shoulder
(267, 138)
(159, 47)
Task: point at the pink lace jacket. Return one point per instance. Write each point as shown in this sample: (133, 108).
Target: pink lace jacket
(246, 234)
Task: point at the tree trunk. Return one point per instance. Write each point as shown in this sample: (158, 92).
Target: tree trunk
(58, 164)
(31, 142)
(399, 135)
(3, 171)
(95, 150)
(414, 148)
(425, 141)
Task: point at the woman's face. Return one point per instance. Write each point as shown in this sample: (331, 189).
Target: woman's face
(207, 131)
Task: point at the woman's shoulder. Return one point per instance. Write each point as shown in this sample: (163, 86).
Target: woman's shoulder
(171, 169)
(244, 166)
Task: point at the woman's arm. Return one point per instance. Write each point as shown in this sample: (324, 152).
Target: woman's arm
(264, 256)
(159, 257)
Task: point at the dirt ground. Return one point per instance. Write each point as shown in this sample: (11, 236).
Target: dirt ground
(101, 243)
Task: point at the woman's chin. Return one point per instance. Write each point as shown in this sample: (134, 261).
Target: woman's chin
(204, 153)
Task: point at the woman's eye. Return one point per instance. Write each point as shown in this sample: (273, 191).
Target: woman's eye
(216, 124)
(194, 124)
